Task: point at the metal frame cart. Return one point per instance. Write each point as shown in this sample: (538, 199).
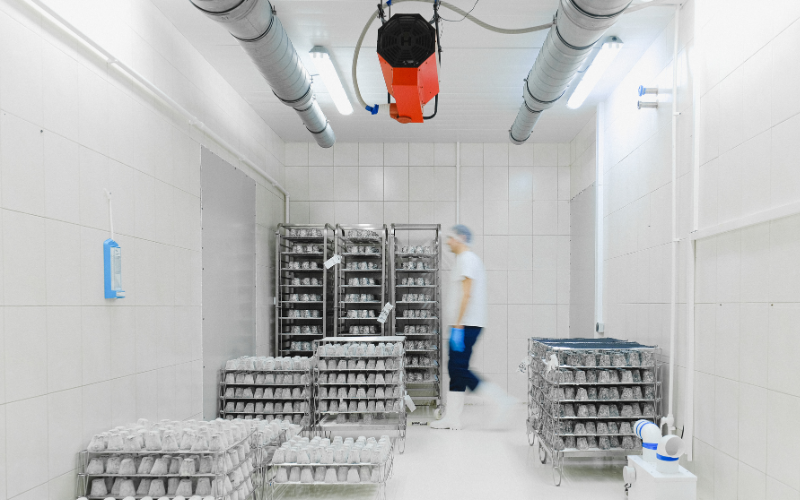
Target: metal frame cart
(236, 381)
(385, 470)
(256, 456)
(353, 374)
(305, 245)
(363, 251)
(412, 289)
(583, 392)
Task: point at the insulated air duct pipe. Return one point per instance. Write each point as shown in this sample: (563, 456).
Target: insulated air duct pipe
(261, 34)
(578, 25)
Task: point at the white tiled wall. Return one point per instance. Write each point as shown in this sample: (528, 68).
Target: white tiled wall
(746, 288)
(71, 363)
(747, 281)
(514, 198)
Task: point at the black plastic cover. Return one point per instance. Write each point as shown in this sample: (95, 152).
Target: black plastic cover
(406, 41)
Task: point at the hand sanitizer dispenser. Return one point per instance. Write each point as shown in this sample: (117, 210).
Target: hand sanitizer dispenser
(112, 264)
(112, 261)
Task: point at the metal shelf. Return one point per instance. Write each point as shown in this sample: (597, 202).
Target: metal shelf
(419, 235)
(286, 238)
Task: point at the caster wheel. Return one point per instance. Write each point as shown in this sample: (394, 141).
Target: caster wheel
(557, 476)
(542, 454)
(437, 413)
(531, 438)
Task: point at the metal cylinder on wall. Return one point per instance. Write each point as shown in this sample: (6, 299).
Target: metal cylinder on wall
(260, 33)
(578, 25)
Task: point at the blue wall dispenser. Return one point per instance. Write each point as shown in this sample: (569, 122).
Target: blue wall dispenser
(112, 261)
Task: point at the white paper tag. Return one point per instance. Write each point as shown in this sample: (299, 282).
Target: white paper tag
(336, 259)
(385, 312)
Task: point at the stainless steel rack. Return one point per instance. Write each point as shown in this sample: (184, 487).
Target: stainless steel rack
(261, 394)
(309, 246)
(380, 473)
(330, 419)
(418, 245)
(580, 387)
(361, 273)
(252, 467)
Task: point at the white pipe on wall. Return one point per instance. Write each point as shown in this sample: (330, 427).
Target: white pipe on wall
(458, 183)
(599, 165)
(673, 320)
(152, 88)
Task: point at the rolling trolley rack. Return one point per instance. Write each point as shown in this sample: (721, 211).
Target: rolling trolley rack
(303, 287)
(584, 396)
(348, 384)
(415, 252)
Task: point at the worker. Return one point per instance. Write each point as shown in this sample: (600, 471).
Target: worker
(467, 308)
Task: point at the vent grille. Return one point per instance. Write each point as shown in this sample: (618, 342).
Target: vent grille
(406, 41)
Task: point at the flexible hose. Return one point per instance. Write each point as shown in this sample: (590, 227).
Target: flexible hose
(467, 15)
(452, 7)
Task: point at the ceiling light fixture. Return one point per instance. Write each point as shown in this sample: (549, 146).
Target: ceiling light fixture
(330, 77)
(608, 52)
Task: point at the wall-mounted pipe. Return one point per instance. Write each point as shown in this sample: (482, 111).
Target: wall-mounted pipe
(260, 33)
(669, 420)
(458, 183)
(578, 25)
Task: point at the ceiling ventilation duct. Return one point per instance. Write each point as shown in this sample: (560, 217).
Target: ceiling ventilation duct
(578, 25)
(259, 31)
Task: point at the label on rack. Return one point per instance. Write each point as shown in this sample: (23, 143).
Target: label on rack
(385, 312)
(336, 259)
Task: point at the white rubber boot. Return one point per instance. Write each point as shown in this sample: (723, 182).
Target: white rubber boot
(500, 403)
(452, 417)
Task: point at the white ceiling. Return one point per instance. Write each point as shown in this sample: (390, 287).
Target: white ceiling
(480, 79)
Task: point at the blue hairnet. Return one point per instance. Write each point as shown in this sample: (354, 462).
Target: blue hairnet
(462, 232)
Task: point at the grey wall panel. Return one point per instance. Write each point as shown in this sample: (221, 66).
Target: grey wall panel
(581, 291)
(229, 270)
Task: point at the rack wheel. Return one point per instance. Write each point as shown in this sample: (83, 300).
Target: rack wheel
(531, 438)
(401, 445)
(557, 473)
(437, 413)
(542, 453)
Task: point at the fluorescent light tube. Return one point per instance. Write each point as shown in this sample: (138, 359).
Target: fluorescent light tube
(330, 78)
(608, 52)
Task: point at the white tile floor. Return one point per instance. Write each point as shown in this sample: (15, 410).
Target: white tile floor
(476, 463)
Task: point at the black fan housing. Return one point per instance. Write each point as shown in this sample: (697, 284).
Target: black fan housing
(406, 41)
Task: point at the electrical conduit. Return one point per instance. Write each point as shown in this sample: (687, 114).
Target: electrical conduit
(260, 33)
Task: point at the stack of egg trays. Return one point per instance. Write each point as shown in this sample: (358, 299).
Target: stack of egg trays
(252, 466)
(380, 471)
(349, 365)
(590, 399)
(261, 383)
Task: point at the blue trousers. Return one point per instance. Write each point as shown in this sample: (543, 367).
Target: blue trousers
(461, 377)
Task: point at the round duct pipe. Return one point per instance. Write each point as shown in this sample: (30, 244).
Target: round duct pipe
(260, 33)
(578, 25)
